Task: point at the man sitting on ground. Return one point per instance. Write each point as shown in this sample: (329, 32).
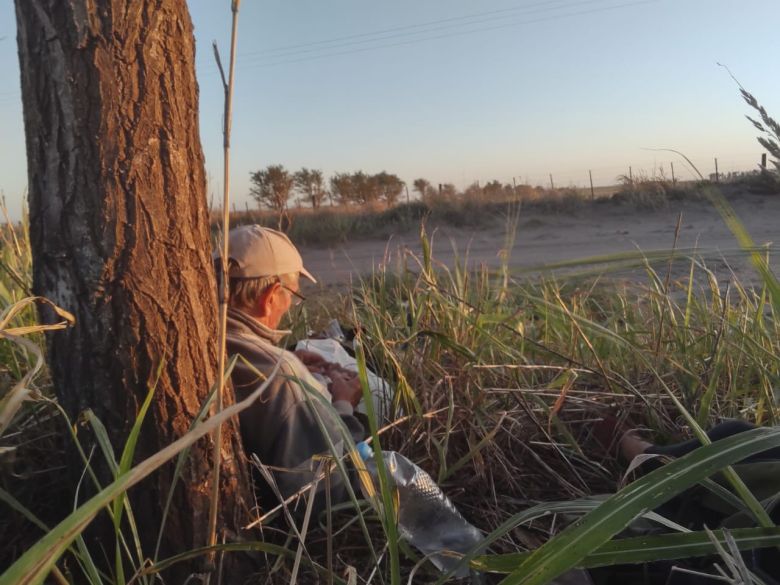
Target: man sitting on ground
(288, 425)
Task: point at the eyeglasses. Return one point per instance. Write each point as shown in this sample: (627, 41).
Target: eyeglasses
(298, 298)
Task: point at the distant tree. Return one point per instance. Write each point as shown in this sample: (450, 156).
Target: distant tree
(448, 190)
(342, 189)
(272, 187)
(360, 188)
(366, 187)
(310, 184)
(473, 191)
(390, 187)
(493, 189)
(423, 187)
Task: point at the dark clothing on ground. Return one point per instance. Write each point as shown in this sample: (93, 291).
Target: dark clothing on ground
(696, 508)
(720, 431)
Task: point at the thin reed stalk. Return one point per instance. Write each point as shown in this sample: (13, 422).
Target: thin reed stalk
(223, 274)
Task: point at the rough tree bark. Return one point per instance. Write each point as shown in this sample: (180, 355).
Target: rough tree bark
(120, 234)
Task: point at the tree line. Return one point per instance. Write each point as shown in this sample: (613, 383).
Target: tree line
(274, 187)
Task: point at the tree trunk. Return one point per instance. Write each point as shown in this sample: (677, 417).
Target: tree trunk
(120, 237)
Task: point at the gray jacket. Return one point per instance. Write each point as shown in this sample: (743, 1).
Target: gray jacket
(282, 426)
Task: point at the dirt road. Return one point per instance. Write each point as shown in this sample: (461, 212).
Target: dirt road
(549, 238)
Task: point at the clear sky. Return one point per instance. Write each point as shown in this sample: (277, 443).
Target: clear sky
(460, 90)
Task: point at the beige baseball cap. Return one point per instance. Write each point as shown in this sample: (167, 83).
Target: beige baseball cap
(258, 251)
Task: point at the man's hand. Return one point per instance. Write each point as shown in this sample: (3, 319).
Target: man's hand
(313, 361)
(345, 384)
(345, 387)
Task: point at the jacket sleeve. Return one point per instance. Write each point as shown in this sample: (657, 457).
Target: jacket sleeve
(302, 437)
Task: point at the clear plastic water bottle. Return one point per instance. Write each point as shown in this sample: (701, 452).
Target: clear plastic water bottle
(426, 518)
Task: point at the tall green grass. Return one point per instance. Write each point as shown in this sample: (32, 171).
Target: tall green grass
(500, 377)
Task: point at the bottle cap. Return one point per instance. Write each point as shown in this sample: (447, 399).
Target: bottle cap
(365, 450)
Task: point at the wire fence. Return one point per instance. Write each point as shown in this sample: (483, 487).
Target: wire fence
(673, 169)
(595, 182)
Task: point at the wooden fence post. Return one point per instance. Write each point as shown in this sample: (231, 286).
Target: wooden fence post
(592, 192)
(673, 179)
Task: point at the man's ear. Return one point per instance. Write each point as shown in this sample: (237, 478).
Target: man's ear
(267, 300)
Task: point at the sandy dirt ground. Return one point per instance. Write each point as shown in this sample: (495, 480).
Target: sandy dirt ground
(591, 232)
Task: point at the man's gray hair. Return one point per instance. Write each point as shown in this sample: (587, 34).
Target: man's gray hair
(243, 293)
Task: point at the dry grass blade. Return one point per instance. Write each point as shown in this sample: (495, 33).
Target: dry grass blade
(14, 310)
(11, 403)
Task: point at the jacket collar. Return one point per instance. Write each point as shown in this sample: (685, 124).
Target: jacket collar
(244, 323)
